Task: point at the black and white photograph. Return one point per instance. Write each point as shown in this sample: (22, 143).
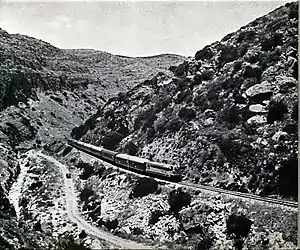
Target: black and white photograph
(149, 124)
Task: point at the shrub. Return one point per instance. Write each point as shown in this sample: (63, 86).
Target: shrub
(85, 193)
(294, 114)
(174, 124)
(143, 187)
(252, 72)
(270, 43)
(178, 199)
(131, 148)
(88, 171)
(82, 234)
(160, 124)
(145, 119)
(155, 215)
(184, 96)
(205, 53)
(238, 225)
(228, 54)
(187, 113)
(162, 103)
(150, 134)
(288, 183)
(293, 12)
(111, 140)
(67, 150)
(80, 131)
(237, 65)
(111, 224)
(205, 243)
(246, 36)
(181, 70)
(277, 110)
(207, 74)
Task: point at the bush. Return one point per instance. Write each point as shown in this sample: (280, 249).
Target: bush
(277, 110)
(82, 234)
(228, 54)
(186, 96)
(238, 225)
(288, 183)
(88, 171)
(85, 194)
(145, 119)
(205, 243)
(293, 12)
(111, 224)
(270, 43)
(111, 140)
(143, 187)
(181, 70)
(207, 74)
(205, 53)
(155, 215)
(174, 125)
(80, 131)
(252, 72)
(160, 124)
(178, 199)
(67, 150)
(187, 113)
(294, 114)
(131, 148)
(246, 36)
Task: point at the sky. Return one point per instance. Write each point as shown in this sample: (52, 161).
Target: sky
(131, 28)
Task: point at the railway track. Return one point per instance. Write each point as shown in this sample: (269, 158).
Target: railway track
(287, 203)
(200, 187)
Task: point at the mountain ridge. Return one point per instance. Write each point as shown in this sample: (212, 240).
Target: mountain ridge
(238, 99)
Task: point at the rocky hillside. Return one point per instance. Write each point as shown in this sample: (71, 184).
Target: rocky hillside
(228, 116)
(46, 91)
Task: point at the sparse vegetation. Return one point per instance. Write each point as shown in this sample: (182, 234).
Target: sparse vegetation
(178, 199)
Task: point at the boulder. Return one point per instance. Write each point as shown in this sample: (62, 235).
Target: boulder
(257, 119)
(257, 108)
(279, 135)
(209, 122)
(261, 88)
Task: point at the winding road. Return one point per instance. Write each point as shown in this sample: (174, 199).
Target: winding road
(74, 215)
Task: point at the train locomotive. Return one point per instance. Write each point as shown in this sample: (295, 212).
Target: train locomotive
(134, 163)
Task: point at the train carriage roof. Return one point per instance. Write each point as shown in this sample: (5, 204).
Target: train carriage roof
(131, 158)
(162, 165)
(108, 151)
(96, 147)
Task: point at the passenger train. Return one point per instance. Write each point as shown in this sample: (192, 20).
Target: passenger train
(129, 162)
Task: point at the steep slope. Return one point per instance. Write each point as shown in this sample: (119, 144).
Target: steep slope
(46, 91)
(229, 116)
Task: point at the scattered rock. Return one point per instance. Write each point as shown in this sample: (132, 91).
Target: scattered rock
(261, 88)
(257, 119)
(257, 108)
(278, 136)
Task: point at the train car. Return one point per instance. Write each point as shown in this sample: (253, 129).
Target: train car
(160, 170)
(163, 170)
(85, 147)
(108, 154)
(131, 162)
